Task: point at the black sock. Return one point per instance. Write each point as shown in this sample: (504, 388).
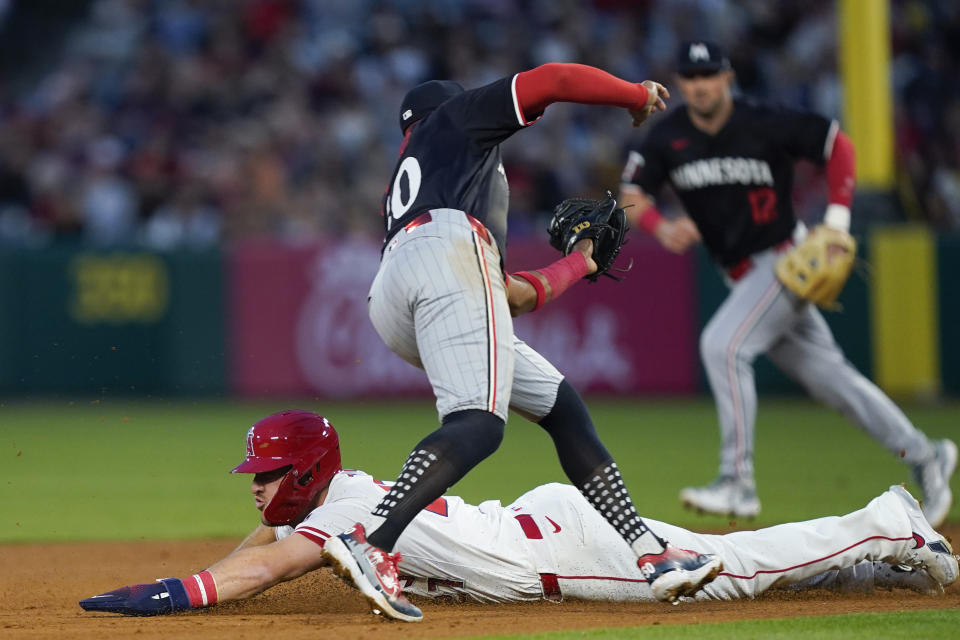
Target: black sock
(590, 467)
(436, 463)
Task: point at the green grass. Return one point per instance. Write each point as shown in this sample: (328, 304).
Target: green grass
(909, 625)
(75, 470)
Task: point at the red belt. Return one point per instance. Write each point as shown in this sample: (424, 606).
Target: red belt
(743, 267)
(551, 587)
(425, 217)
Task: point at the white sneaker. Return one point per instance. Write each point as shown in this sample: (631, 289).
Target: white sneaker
(930, 550)
(725, 496)
(934, 479)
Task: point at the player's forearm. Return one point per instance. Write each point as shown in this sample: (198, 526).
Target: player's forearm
(521, 295)
(562, 82)
(639, 209)
(247, 572)
(530, 290)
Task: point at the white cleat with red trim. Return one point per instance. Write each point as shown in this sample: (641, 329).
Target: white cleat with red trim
(930, 550)
(372, 571)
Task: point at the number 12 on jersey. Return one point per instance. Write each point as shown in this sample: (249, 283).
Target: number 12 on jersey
(763, 205)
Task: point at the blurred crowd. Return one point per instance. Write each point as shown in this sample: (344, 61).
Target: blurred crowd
(186, 123)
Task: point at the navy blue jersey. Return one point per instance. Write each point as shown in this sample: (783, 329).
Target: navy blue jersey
(736, 185)
(451, 159)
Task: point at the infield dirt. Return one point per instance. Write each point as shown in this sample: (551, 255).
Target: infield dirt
(41, 584)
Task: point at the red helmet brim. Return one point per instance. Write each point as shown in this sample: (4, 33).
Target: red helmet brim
(261, 465)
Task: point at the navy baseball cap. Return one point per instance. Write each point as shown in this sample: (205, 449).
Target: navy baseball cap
(424, 98)
(699, 57)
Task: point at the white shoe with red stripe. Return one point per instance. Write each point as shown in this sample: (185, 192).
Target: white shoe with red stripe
(372, 571)
(930, 550)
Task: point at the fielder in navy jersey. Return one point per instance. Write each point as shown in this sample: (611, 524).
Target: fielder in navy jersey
(730, 162)
(442, 301)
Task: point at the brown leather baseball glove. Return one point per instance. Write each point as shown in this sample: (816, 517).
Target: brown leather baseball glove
(818, 268)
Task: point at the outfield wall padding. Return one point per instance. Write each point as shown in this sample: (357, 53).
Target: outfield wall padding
(111, 322)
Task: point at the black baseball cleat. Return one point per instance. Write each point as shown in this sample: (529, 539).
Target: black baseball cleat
(372, 571)
(674, 572)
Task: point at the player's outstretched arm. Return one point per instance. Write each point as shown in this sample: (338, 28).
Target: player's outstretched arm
(530, 290)
(248, 571)
(540, 87)
(244, 573)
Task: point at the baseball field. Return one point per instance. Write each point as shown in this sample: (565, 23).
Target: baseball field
(109, 492)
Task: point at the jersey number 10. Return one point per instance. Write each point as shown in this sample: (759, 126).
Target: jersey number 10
(397, 205)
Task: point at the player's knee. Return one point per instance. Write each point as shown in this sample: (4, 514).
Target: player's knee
(569, 412)
(714, 349)
(474, 429)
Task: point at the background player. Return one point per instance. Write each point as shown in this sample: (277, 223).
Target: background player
(730, 161)
(550, 543)
(442, 301)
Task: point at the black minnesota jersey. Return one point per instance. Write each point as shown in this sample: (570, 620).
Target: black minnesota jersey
(451, 159)
(737, 184)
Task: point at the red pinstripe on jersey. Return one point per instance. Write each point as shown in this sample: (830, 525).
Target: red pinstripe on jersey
(491, 323)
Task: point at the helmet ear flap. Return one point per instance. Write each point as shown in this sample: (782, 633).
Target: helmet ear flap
(287, 502)
(298, 489)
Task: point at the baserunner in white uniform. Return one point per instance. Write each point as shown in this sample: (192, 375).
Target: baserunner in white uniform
(442, 301)
(730, 162)
(548, 544)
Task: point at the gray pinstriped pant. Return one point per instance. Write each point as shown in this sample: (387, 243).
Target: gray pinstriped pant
(760, 316)
(439, 302)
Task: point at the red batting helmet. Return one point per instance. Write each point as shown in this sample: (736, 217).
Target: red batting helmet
(307, 443)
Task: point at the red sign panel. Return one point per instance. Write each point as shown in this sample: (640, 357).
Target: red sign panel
(298, 323)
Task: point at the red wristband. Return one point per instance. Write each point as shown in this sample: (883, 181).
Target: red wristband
(201, 589)
(537, 285)
(646, 96)
(564, 272)
(649, 219)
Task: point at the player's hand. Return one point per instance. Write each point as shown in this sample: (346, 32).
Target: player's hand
(145, 599)
(656, 101)
(585, 247)
(677, 235)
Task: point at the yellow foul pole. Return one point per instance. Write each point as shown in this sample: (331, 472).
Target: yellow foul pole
(864, 31)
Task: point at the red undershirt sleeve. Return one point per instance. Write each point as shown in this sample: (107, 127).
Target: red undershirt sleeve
(565, 82)
(841, 170)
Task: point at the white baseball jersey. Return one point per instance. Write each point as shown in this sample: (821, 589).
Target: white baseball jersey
(551, 544)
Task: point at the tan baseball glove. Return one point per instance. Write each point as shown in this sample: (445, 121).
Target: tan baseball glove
(817, 268)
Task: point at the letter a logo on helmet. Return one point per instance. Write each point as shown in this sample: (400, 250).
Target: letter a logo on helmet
(303, 441)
